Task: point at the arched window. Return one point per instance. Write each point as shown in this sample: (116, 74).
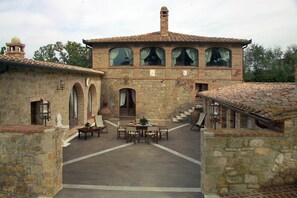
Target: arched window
(73, 108)
(152, 56)
(183, 56)
(218, 57)
(120, 56)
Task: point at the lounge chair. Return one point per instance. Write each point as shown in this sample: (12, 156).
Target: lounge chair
(200, 123)
(99, 123)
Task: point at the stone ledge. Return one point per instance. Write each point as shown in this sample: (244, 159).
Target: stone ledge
(241, 132)
(24, 128)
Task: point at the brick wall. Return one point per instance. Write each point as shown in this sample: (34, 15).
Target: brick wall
(30, 161)
(237, 160)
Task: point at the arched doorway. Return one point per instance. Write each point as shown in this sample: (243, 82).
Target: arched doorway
(127, 102)
(73, 108)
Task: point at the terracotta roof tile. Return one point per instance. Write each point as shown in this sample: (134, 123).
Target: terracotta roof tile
(46, 65)
(172, 37)
(269, 100)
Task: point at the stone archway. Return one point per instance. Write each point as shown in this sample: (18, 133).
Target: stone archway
(76, 106)
(127, 102)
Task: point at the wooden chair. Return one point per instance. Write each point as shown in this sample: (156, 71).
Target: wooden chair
(132, 134)
(99, 123)
(151, 134)
(163, 129)
(200, 123)
(120, 130)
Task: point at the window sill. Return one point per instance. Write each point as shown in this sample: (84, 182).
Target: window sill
(217, 67)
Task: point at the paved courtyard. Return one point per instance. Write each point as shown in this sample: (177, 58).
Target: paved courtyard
(107, 167)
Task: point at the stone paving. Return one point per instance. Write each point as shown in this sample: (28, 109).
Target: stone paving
(107, 167)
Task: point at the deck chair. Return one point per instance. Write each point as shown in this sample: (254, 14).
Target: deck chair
(152, 134)
(200, 123)
(99, 123)
(120, 130)
(163, 129)
(132, 134)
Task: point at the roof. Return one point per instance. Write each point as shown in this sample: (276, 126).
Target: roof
(17, 61)
(274, 101)
(172, 37)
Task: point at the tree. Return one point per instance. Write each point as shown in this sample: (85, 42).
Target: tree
(70, 53)
(269, 65)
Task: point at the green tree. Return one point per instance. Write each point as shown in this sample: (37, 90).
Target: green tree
(269, 65)
(70, 53)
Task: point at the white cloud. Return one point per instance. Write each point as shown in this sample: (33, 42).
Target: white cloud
(41, 22)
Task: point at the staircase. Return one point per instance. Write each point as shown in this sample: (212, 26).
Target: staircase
(186, 115)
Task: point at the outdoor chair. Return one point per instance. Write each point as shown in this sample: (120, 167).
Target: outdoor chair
(120, 130)
(132, 134)
(99, 123)
(200, 123)
(163, 130)
(151, 134)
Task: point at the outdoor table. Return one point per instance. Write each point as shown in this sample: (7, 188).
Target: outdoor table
(86, 130)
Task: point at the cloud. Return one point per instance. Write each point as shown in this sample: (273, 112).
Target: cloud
(41, 22)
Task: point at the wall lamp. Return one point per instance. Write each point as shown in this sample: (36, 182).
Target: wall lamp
(45, 112)
(61, 85)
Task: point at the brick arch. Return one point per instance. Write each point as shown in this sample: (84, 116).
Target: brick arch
(76, 106)
(93, 100)
(127, 102)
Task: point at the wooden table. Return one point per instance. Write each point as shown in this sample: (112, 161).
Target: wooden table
(86, 130)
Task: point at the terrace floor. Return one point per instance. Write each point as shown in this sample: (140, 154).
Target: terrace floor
(107, 167)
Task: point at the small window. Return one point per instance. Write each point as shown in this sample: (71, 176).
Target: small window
(218, 57)
(152, 56)
(120, 56)
(184, 57)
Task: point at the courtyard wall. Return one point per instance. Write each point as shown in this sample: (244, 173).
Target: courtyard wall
(237, 160)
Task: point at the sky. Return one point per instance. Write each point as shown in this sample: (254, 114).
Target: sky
(40, 22)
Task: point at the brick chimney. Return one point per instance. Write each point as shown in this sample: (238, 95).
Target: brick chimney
(15, 48)
(164, 21)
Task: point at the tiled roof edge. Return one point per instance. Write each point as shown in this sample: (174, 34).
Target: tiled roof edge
(171, 38)
(16, 61)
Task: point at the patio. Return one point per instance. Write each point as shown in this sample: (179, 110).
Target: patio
(107, 167)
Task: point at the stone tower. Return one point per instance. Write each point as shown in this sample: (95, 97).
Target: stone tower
(164, 21)
(15, 48)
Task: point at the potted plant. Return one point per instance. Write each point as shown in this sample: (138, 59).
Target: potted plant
(88, 125)
(143, 121)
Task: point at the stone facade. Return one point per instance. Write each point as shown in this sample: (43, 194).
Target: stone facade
(236, 160)
(24, 86)
(172, 88)
(30, 161)
(163, 90)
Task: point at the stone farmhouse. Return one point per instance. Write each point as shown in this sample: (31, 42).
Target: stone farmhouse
(157, 75)
(249, 139)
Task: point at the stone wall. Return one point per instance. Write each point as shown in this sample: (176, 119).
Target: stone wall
(26, 85)
(30, 161)
(236, 160)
